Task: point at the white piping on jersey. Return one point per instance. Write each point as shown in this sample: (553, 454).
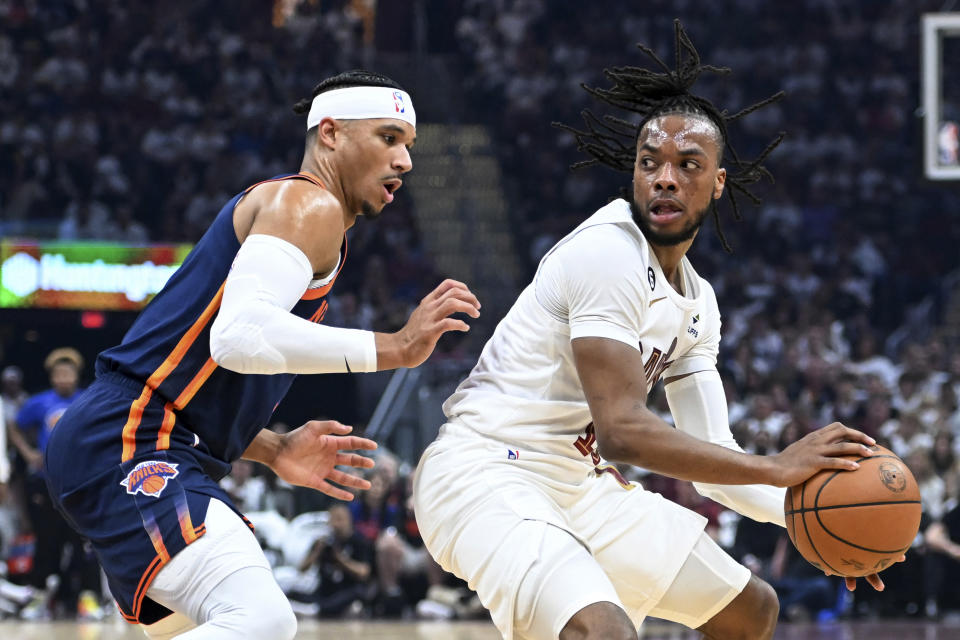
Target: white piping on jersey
(316, 283)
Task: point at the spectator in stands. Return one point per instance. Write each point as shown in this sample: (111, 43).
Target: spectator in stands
(11, 392)
(54, 540)
(344, 562)
(943, 567)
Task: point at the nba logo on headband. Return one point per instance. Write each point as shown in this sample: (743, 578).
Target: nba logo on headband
(398, 101)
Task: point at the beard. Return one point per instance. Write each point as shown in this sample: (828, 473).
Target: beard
(667, 239)
(368, 211)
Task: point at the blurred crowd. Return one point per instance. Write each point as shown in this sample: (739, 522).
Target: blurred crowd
(137, 121)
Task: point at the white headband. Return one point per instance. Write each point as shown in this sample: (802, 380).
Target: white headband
(360, 103)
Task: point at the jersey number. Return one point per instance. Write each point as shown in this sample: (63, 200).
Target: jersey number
(587, 444)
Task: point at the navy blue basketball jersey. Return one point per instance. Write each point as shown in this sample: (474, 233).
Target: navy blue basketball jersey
(214, 411)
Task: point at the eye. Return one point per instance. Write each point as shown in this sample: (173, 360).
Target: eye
(389, 138)
(647, 162)
(690, 164)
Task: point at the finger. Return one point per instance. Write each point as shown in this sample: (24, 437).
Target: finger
(902, 558)
(846, 433)
(451, 324)
(851, 584)
(875, 581)
(442, 288)
(842, 464)
(332, 491)
(348, 479)
(353, 460)
(331, 426)
(346, 443)
(847, 449)
(462, 294)
(454, 305)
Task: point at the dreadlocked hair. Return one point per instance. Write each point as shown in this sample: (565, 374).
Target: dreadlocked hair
(612, 141)
(353, 78)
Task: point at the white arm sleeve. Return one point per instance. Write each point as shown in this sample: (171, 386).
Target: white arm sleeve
(255, 332)
(699, 408)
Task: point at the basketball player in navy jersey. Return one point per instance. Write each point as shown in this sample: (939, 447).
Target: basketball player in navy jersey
(134, 464)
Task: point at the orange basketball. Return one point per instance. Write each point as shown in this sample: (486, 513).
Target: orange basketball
(152, 484)
(854, 523)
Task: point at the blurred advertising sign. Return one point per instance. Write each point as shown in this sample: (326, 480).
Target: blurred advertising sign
(55, 274)
(941, 95)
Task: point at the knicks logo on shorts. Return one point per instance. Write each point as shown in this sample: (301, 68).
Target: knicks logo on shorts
(149, 478)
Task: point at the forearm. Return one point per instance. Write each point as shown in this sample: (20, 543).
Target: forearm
(359, 570)
(265, 448)
(938, 540)
(19, 441)
(644, 440)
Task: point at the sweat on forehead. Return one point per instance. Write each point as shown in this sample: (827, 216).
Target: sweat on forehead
(664, 126)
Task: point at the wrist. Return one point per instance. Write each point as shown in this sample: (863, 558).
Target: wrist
(389, 351)
(769, 471)
(265, 448)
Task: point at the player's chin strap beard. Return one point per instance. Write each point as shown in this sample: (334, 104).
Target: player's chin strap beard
(661, 239)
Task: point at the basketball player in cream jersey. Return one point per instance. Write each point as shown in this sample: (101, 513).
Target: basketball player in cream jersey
(516, 495)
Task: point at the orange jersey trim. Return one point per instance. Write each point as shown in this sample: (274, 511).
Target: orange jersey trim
(319, 292)
(172, 361)
(191, 389)
(169, 419)
(147, 579)
(309, 177)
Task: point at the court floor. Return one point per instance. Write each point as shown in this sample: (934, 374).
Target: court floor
(310, 630)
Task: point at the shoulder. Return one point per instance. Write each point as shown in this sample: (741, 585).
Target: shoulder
(601, 246)
(297, 211)
(297, 202)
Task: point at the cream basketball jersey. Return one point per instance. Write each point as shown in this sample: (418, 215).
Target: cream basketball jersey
(601, 280)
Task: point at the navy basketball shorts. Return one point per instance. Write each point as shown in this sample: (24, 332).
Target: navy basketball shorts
(137, 513)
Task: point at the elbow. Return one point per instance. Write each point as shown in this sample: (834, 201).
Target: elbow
(223, 350)
(612, 443)
(236, 346)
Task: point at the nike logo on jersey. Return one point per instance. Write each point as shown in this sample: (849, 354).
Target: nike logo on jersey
(656, 300)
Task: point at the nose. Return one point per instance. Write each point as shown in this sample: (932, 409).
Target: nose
(666, 178)
(402, 161)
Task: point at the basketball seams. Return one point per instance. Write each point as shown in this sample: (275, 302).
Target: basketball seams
(806, 529)
(848, 506)
(851, 544)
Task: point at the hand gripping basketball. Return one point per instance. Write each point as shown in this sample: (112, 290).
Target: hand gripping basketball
(821, 449)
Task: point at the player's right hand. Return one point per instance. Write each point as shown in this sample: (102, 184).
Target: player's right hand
(818, 450)
(431, 319)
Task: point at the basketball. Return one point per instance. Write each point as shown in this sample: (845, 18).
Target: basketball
(854, 523)
(152, 484)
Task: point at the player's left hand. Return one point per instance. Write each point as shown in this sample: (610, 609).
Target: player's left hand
(873, 579)
(310, 454)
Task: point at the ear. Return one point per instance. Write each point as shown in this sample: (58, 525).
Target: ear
(328, 132)
(719, 182)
